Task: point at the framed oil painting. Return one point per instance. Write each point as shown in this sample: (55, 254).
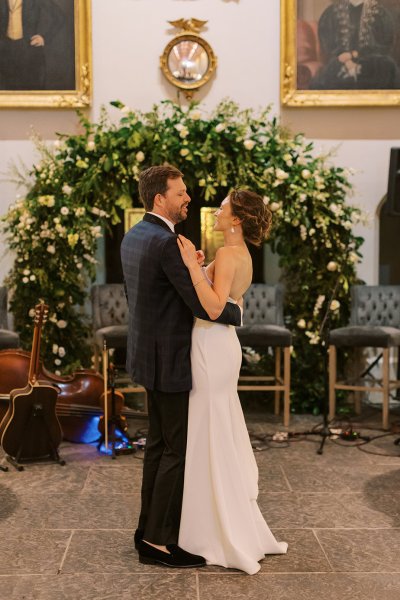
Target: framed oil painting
(45, 53)
(340, 52)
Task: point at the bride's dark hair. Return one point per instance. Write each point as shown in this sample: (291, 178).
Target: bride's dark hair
(255, 216)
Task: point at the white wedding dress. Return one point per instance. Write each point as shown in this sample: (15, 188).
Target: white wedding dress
(220, 517)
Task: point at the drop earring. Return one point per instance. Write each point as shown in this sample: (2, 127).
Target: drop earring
(232, 229)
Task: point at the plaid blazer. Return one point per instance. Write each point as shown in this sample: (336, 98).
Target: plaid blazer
(162, 302)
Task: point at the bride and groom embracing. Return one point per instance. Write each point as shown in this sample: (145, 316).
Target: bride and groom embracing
(199, 489)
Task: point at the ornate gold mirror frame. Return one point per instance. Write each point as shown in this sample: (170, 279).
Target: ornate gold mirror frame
(188, 61)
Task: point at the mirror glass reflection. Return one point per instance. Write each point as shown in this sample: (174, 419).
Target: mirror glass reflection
(188, 61)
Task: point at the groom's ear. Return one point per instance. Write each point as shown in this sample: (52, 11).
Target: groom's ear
(158, 201)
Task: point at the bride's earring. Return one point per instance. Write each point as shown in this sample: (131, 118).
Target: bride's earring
(232, 229)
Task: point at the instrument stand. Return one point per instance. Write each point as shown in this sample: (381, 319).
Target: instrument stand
(53, 456)
(113, 422)
(325, 432)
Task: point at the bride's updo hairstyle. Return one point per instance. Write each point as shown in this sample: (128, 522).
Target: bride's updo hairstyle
(255, 216)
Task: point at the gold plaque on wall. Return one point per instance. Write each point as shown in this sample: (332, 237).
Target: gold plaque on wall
(132, 216)
(210, 240)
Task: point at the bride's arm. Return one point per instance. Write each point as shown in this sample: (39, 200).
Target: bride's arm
(213, 299)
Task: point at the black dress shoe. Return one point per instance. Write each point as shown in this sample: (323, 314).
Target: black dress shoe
(178, 551)
(148, 555)
(138, 538)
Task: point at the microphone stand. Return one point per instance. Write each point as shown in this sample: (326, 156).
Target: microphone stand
(324, 337)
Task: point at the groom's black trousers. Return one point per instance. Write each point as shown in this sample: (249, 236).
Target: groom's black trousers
(164, 467)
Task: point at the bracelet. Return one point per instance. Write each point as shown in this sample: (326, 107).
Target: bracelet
(202, 279)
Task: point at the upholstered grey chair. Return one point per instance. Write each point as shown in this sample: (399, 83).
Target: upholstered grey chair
(8, 338)
(110, 317)
(374, 323)
(263, 327)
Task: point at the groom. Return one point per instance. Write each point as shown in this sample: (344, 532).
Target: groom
(162, 302)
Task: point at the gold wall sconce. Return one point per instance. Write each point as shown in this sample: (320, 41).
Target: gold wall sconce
(188, 61)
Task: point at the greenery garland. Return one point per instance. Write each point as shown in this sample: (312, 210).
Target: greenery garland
(81, 182)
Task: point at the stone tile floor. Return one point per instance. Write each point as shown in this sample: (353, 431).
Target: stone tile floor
(67, 532)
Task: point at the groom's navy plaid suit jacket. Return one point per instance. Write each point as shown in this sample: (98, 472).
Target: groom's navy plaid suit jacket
(162, 302)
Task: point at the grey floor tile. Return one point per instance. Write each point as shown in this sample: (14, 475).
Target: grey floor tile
(339, 478)
(167, 586)
(51, 478)
(368, 550)
(357, 510)
(32, 552)
(114, 479)
(281, 510)
(299, 587)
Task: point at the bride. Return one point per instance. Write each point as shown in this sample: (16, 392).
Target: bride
(220, 517)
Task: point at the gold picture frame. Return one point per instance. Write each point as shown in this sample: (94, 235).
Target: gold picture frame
(66, 72)
(309, 74)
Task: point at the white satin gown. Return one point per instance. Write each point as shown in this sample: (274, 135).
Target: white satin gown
(220, 517)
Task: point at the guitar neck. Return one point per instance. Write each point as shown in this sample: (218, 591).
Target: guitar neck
(35, 353)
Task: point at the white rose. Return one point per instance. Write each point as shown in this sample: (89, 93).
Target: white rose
(332, 266)
(26, 271)
(301, 324)
(64, 210)
(55, 349)
(184, 152)
(184, 132)
(25, 279)
(125, 110)
(353, 257)
(274, 206)
(302, 197)
(51, 249)
(91, 145)
(57, 362)
(249, 144)
(220, 127)
(31, 313)
(32, 277)
(61, 324)
(61, 352)
(195, 115)
(139, 156)
(280, 174)
(306, 174)
(334, 304)
(66, 189)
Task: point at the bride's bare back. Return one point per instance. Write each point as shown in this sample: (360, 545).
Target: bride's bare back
(243, 269)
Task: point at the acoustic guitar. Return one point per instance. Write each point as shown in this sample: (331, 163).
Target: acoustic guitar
(30, 429)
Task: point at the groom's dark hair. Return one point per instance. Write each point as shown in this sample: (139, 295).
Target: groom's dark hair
(153, 181)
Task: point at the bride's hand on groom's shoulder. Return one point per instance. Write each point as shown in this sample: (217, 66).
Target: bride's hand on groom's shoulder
(188, 251)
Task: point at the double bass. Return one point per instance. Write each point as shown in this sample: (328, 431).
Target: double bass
(30, 429)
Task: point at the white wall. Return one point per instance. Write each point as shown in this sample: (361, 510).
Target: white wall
(128, 39)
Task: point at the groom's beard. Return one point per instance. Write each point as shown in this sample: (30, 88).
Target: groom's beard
(180, 215)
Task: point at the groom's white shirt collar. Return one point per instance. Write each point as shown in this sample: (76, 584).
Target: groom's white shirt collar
(167, 221)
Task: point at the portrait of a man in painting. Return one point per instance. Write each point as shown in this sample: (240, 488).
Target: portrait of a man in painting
(348, 45)
(37, 49)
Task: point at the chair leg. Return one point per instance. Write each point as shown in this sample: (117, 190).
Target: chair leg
(96, 358)
(278, 368)
(357, 402)
(286, 383)
(332, 381)
(385, 388)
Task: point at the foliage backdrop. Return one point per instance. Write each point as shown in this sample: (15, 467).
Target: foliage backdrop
(81, 182)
